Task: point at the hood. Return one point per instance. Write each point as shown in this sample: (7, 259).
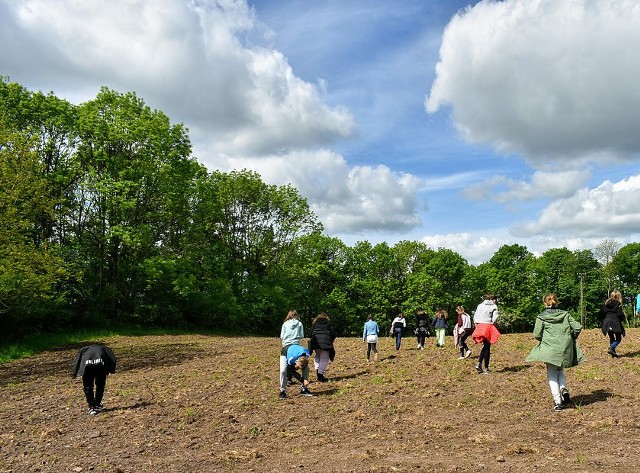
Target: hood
(553, 316)
(612, 304)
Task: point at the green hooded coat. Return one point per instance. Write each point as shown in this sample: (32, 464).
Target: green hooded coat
(557, 332)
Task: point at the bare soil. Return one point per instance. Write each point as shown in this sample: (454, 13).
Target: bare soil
(207, 404)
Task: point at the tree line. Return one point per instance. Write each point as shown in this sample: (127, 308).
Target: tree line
(107, 218)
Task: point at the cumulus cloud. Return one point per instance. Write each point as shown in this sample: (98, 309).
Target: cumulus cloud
(476, 249)
(347, 199)
(547, 79)
(609, 210)
(208, 64)
(552, 185)
(196, 61)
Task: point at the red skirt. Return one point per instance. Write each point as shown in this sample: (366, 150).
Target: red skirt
(485, 332)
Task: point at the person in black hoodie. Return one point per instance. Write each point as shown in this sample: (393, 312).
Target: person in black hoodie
(422, 327)
(94, 363)
(321, 343)
(612, 317)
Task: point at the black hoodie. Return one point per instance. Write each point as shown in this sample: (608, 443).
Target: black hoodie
(612, 317)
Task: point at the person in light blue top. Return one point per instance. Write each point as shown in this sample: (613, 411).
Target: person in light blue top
(638, 305)
(370, 335)
(292, 330)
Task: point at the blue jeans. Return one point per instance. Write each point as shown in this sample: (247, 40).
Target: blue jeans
(398, 333)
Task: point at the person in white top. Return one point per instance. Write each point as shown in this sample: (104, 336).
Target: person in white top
(397, 328)
(486, 332)
(464, 330)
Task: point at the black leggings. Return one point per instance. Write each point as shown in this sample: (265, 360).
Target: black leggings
(485, 353)
(463, 343)
(97, 374)
(371, 347)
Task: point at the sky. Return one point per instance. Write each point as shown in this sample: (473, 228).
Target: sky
(465, 125)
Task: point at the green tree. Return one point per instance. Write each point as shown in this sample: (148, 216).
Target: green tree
(605, 252)
(31, 272)
(129, 156)
(256, 224)
(315, 266)
(626, 266)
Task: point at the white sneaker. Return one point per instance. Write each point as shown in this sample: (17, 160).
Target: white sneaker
(467, 354)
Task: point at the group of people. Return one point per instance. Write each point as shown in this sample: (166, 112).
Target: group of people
(294, 356)
(555, 329)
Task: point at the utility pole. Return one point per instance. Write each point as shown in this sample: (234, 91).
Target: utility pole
(581, 275)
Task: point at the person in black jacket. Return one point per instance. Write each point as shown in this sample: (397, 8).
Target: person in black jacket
(422, 327)
(94, 363)
(612, 317)
(321, 342)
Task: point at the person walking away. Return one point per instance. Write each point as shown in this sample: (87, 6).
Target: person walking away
(486, 332)
(321, 344)
(292, 358)
(464, 331)
(397, 329)
(612, 318)
(94, 363)
(556, 332)
(440, 325)
(422, 327)
(370, 335)
(292, 331)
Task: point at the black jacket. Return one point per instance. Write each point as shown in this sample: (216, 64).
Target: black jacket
(94, 355)
(422, 323)
(612, 317)
(322, 337)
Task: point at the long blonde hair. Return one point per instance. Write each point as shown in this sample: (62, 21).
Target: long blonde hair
(293, 314)
(615, 295)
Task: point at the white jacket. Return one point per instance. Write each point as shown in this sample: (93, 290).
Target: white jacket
(486, 313)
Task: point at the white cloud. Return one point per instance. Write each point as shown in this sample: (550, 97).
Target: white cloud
(542, 184)
(476, 249)
(193, 60)
(347, 199)
(545, 78)
(609, 210)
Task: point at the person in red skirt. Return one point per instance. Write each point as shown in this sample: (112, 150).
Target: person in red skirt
(486, 332)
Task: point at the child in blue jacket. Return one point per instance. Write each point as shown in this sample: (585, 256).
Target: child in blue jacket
(297, 357)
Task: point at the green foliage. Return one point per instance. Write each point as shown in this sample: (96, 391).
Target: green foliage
(106, 217)
(626, 266)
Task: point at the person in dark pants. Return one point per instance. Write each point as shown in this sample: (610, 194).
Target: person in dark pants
(612, 317)
(464, 331)
(422, 327)
(397, 329)
(486, 332)
(94, 363)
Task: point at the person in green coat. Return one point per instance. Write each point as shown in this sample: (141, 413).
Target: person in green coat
(556, 332)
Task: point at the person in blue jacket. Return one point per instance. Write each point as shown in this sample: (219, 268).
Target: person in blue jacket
(370, 335)
(296, 357)
(94, 363)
